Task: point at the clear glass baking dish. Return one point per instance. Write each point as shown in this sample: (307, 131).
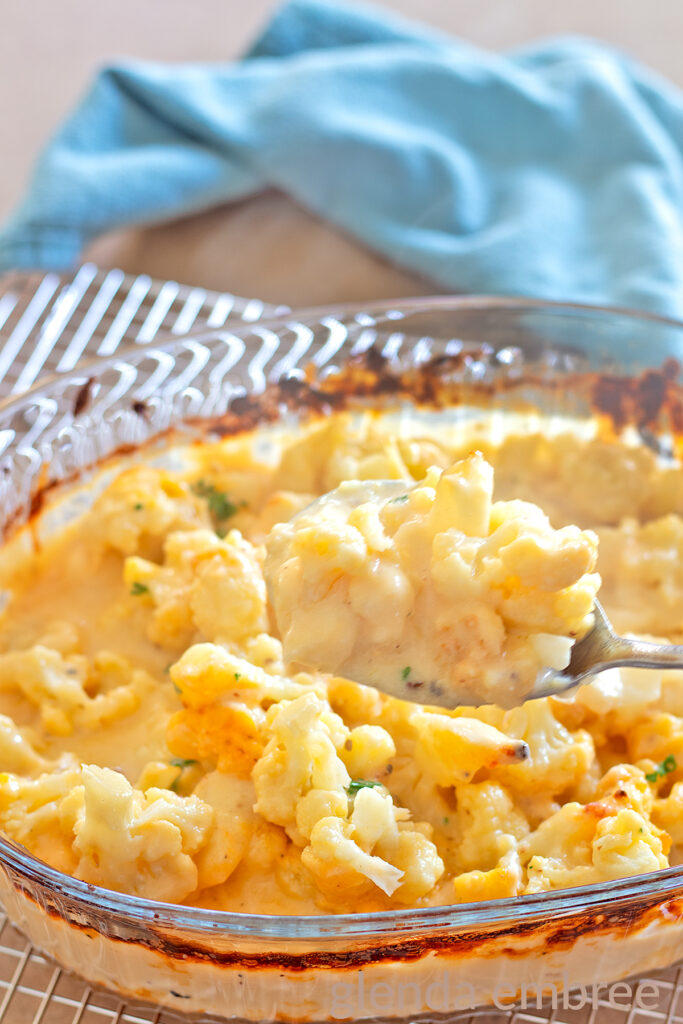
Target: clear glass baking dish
(455, 354)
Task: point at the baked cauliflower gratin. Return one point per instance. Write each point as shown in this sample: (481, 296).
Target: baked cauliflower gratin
(154, 741)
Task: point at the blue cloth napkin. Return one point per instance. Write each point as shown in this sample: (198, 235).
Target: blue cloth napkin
(556, 171)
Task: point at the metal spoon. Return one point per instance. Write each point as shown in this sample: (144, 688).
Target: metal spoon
(601, 649)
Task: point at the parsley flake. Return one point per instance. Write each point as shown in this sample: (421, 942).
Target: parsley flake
(139, 588)
(183, 762)
(400, 500)
(356, 784)
(138, 506)
(667, 766)
(406, 672)
(219, 504)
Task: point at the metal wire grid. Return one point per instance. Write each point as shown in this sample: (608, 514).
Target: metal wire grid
(51, 323)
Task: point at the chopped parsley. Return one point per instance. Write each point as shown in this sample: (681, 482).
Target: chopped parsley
(182, 763)
(176, 687)
(406, 672)
(400, 500)
(139, 588)
(667, 766)
(356, 784)
(445, 821)
(219, 504)
(138, 506)
(238, 675)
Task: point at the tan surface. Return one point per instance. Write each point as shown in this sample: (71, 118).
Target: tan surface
(48, 52)
(266, 247)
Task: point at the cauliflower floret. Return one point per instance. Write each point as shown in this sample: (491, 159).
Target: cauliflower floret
(417, 856)
(207, 673)
(623, 846)
(484, 813)
(422, 453)
(371, 847)
(611, 837)
(51, 684)
(17, 751)
(658, 736)
(564, 838)
(558, 759)
(367, 750)
(207, 586)
(225, 735)
(545, 576)
(318, 804)
(339, 450)
(264, 651)
(560, 474)
(70, 692)
(140, 843)
(453, 750)
(637, 557)
(339, 864)
(300, 756)
(504, 879)
(32, 813)
(140, 507)
(667, 813)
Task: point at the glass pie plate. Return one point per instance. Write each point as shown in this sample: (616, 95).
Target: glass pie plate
(459, 358)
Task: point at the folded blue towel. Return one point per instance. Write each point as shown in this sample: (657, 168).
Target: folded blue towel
(555, 172)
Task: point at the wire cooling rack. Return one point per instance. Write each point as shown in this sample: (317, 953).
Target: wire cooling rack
(50, 323)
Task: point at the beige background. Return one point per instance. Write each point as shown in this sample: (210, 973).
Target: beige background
(50, 48)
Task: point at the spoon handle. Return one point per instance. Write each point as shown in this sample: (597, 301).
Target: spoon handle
(641, 654)
(602, 649)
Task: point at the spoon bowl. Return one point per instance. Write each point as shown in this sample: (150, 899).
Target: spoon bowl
(600, 649)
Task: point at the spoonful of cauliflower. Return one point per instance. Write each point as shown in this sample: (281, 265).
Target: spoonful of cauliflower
(433, 592)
